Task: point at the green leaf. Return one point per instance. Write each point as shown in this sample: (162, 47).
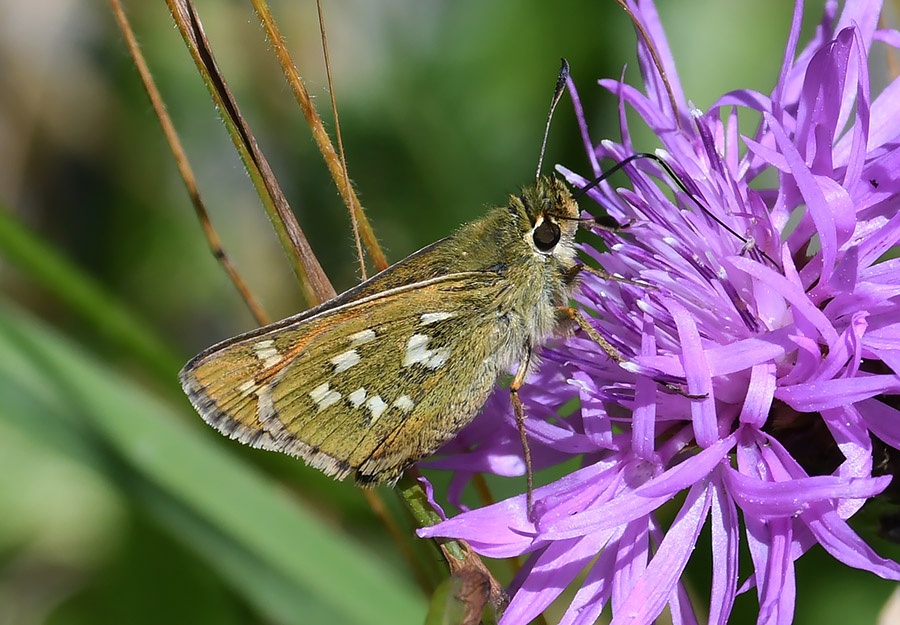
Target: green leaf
(279, 555)
(82, 295)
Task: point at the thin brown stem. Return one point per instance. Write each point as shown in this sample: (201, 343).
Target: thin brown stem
(320, 135)
(184, 166)
(656, 61)
(315, 284)
(348, 191)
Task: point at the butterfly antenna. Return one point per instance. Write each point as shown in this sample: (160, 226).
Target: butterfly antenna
(679, 183)
(557, 94)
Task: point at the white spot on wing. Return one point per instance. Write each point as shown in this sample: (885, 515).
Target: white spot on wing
(319, 393)
(438, 358)
(376, 406)
(245, 388)
(357, 397)
(266, 352)
(323, 396)
(434, 317)
(416, 349)
(362, 337)
(344, 361)
(265, 408)
(417, 352)
(404, 403)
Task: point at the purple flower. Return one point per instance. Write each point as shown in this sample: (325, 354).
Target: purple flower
(789, 332)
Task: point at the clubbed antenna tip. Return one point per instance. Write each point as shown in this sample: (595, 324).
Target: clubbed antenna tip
(557, 94)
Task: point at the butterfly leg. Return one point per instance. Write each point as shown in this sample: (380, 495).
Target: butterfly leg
(603, 275)
(519, 411)
(612, 352)
(588, 329)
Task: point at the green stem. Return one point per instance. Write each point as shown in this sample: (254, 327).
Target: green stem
(414, 496)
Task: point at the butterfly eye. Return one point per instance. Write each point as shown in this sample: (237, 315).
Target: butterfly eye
(546, 235)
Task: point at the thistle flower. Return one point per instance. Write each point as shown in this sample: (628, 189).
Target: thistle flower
(789, 332)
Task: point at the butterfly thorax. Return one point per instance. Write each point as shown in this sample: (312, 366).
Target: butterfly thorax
(531, 242)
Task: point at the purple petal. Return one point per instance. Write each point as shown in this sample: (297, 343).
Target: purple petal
(582, 125)
(884, 125)
(597, 425)
(703, 411)
(643, 106)
(882, 419)
(790, 51)
(733, 357)
(553, 570)
(429, 496)
(771, 500)
(644, 413)
(827, 220)
(848, 428)
(861, 14)
(845, 545)
(776, 583)
(653, 589)
(824, 394)
(725, 543)
(632, 557)
(645, 498)
(647, 15)
(792, 292)
(595, 591)
(760, 393)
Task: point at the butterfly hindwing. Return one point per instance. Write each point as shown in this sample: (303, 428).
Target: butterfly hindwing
(358, 388)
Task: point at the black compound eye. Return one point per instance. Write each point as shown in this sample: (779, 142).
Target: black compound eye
(546, 236)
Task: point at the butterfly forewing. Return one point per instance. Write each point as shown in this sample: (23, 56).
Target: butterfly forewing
(354, 389)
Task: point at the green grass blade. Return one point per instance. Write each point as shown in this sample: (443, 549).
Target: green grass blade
(349, 583)
(83, 296)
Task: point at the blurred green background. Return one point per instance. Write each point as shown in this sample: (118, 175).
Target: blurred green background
(117, 505)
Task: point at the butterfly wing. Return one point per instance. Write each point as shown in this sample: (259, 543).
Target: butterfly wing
(363, 388)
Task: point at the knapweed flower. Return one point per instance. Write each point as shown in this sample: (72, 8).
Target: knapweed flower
(780, 316)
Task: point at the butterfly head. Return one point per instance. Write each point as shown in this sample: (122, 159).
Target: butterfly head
(549, 216)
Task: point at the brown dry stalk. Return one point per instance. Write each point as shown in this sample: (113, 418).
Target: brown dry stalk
(320, 135)
(348, 189)
(184, 166)
(315, 284)
(656, 61)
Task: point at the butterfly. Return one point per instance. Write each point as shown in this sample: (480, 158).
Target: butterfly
(384, 374)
